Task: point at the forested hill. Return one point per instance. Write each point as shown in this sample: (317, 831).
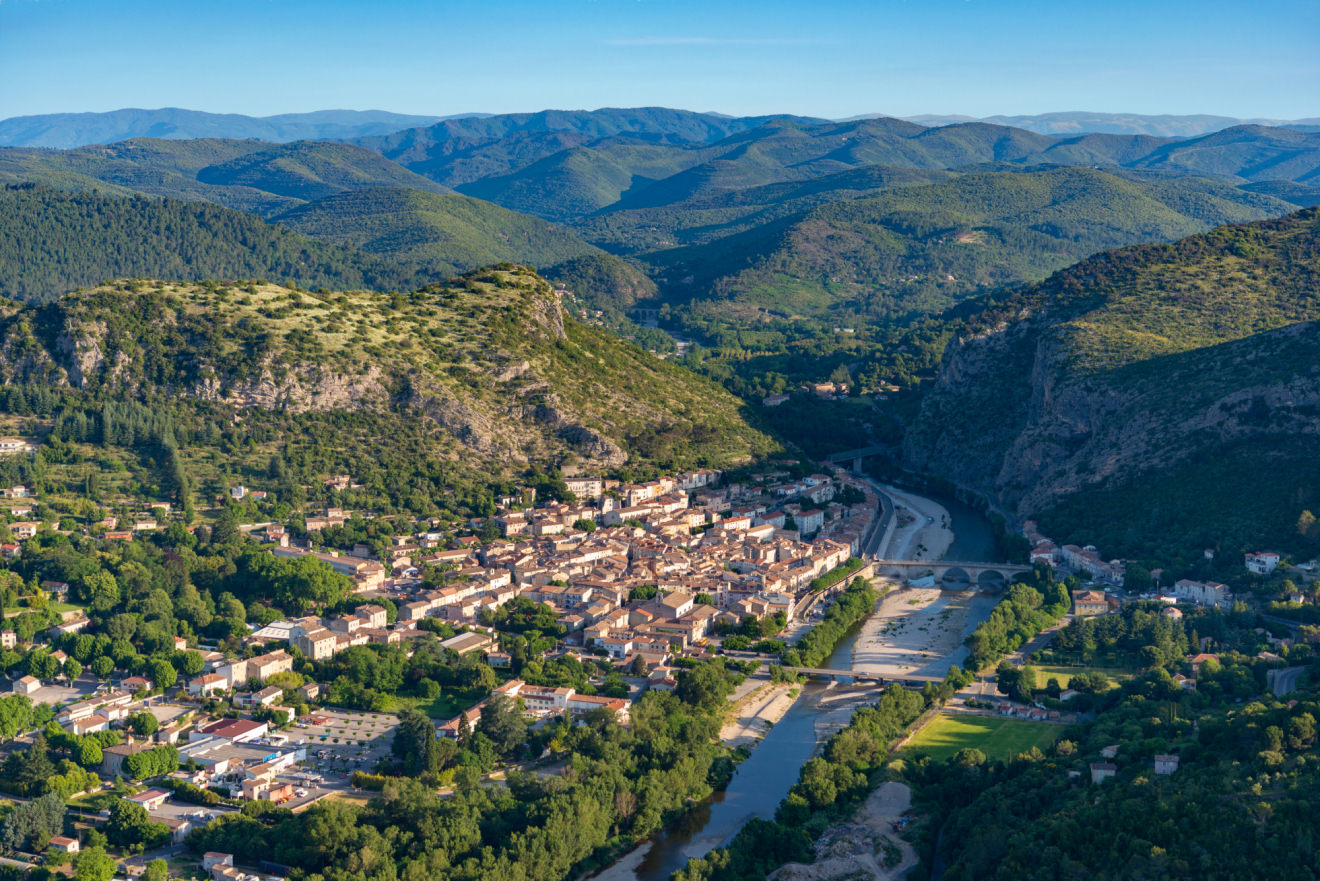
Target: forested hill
(919, 248)
(1147, 400)
(444, 232)
(52, 242)
(381, 239)
(470, 381)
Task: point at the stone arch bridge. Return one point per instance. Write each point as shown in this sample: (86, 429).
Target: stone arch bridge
(953, 574)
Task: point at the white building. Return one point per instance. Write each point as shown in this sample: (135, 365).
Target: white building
(1202, 593)
(1262, 562)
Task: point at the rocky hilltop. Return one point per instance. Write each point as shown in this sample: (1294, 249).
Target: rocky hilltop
(1143, 373)
(486, 362)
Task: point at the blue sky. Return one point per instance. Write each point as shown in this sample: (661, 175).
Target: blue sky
(833, 58)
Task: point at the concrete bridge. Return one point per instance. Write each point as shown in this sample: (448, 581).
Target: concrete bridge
(856, 456)
(913, 680)
(953, 574)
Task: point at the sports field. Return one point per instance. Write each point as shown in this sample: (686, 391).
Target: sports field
(997, 738)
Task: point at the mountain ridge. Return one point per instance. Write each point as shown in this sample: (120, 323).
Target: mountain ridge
(1172, 373)
(66, 130)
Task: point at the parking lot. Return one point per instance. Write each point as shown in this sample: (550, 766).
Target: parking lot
(340, 742)
(52, 695)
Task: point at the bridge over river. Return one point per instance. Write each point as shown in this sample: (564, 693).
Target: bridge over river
(856, 456)
(953, 574)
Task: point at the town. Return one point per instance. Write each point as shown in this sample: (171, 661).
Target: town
(632, 578)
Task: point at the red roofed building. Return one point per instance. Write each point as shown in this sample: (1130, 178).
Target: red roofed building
(237, 730)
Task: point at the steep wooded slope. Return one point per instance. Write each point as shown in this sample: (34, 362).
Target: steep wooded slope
(1159, 394)
(53, 241)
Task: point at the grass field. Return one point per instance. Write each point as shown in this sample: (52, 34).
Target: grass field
(447, 706)
(997, 738)
(1065, 674)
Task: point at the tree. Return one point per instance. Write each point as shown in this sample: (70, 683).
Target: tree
(94, 864)
(144, 724)
(162, 673)
(157, 870)
(503, 723)
(102, 666)
(31, 824)
(131, 827)
(72, 669)
(88, 753)
(42, 665)
(101, 590)
(226, 530)
(705, 685)
(584, 525)
(191, 662)
(1306, 525)
(15, 715)
(415, 746)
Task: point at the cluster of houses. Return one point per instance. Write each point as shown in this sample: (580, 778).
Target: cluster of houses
(1078, 559)
(1088, 561)
(684, 535)
(1102, 771)
(728, 543)
(539, 701)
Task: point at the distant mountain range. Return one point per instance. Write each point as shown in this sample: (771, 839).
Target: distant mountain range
(65, 130)
(1080, 122)
(871, 219)
(68, 130)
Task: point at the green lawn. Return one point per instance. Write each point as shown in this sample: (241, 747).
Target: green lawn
(446, 706)
(997, 738)
(1065, 674)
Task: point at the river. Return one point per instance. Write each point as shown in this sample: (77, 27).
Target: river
(973, 537)
(760, 783)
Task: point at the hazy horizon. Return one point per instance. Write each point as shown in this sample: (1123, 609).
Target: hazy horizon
(840, 59)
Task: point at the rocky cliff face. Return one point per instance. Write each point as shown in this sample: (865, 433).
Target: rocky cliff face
(1006, 417)
(1130, 364)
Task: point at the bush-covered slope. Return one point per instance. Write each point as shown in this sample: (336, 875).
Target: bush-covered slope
(53, 241)
(447, 233)
(1146, 398)
(603, 281)
(481, 374)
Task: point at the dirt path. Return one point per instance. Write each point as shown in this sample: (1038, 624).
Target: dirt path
(867, 847)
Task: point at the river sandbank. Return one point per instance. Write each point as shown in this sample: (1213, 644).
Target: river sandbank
(918, 632)
(754, 715)
(928, 537)
(866, 847)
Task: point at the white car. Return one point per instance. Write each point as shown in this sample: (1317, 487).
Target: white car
(301, 793)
